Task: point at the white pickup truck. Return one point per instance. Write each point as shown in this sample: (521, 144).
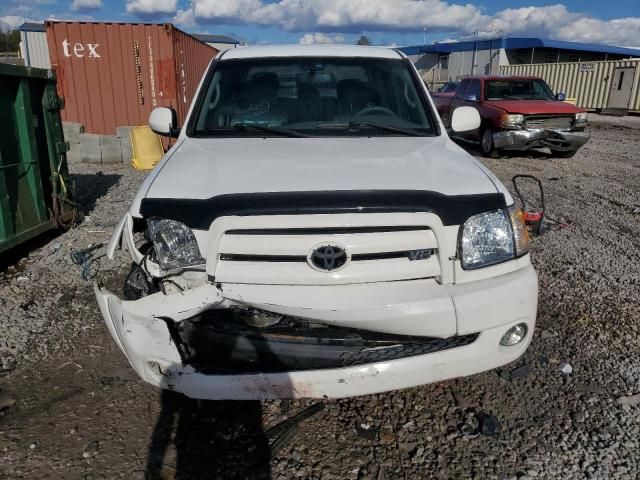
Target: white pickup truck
(314, 232)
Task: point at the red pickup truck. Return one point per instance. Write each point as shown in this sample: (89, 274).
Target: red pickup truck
(518, 113)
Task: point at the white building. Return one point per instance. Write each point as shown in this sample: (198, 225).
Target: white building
(34, 48)
(442, 62)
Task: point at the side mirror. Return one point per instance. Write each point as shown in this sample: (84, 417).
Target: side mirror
(464, 119)
(560, 96)
(163, 120)
(472, 97)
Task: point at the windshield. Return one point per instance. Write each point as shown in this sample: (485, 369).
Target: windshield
(312, 96)
(517, 90)
(449, 87)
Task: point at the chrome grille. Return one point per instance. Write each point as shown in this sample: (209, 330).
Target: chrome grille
(555, 122)
(273, 255)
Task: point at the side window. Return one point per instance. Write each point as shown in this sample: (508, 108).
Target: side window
(474, 89)
(462, 88)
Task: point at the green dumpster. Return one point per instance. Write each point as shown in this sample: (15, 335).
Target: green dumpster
(35, 193)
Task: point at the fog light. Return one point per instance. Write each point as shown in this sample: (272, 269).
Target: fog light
(514, 335)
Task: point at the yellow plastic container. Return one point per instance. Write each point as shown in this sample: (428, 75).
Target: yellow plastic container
(146, 148)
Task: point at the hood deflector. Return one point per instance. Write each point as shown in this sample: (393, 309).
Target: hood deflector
(200, 214)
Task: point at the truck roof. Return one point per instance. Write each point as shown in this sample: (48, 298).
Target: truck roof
(310, 51)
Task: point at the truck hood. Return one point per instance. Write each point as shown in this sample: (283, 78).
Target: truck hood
(535, 107)
(203, 168)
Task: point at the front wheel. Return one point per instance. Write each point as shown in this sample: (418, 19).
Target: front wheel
(486, 144)
(563, 153)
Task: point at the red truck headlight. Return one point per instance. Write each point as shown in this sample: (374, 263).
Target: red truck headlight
(510, 121)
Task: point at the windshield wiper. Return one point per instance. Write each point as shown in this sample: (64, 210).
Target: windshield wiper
(263, 128)
(379, 126)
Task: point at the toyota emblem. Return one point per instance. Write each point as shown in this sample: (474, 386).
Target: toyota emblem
(328, 257)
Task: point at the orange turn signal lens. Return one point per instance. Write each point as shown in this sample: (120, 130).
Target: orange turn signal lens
(521, 235)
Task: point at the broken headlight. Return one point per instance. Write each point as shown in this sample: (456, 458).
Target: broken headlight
(174, 244)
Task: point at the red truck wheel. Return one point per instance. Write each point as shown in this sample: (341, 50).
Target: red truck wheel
(486, 144)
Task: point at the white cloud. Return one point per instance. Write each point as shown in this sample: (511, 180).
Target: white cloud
(558, 22)
(337, 15)
(185, 18)
(356, 16)
(311, 38)
(151, 7)
(11, 22)
(83, 5)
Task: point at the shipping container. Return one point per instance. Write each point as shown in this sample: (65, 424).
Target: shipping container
(35, 193)
(613, 84)
(113, 74)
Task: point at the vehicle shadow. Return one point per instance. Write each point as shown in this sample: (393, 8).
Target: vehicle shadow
(207, 439)
(91, 187)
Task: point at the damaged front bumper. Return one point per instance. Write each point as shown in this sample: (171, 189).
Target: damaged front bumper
(191, 341)
(558, 140)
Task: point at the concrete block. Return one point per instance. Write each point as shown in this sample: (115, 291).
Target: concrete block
(111, 149)
(111, 153)
(90, 151)
(89, 154)
(127, 151)
(72, 137)
(90, 139)
(72, 127)
(109, 141)
(123, 132)
(74, 155)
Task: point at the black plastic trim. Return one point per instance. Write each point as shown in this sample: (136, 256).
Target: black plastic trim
(387, 256)
(200, 214)
(326, 231)
(240, 257)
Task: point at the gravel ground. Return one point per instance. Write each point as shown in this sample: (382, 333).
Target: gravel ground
(71, 407)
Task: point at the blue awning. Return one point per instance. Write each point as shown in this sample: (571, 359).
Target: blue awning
(513, 43)
(31, 27)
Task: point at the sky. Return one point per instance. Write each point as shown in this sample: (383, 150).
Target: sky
(383, 22)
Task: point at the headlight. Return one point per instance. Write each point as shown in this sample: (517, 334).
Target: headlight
(582, 117)
(174, 244)
(493, 237)
(510, 121)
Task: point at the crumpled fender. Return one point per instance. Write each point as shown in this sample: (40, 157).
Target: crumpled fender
(123, 235)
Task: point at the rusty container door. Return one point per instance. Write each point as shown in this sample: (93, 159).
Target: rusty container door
(114, 74)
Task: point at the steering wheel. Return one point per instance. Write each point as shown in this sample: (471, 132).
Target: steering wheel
(375, 110)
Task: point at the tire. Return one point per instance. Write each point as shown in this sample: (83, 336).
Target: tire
(486, 144)
(563, 153)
